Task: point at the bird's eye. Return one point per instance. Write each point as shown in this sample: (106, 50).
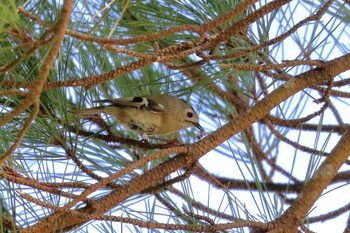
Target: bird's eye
(189, 114)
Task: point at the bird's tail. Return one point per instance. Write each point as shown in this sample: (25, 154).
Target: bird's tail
(88, 111)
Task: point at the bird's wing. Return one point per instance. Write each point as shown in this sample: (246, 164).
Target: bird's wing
(135, 102)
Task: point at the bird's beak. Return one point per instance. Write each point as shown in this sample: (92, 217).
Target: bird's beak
(202, 131)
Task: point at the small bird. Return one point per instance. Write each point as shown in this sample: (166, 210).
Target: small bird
(149, 115)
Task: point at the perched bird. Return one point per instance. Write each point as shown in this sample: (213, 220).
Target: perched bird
(149, 115)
